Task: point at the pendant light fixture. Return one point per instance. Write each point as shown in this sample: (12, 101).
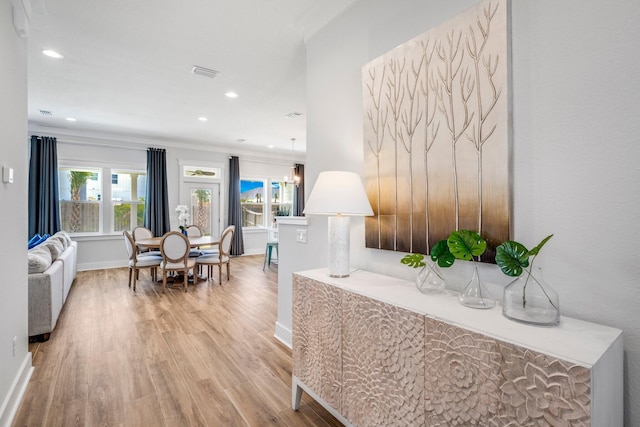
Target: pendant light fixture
(295, 179)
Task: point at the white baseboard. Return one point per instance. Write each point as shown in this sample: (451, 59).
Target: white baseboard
(253, 251)
(16, 392)
(283, 335)
(102, 265)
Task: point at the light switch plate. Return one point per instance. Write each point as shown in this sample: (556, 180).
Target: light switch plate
(301, 236)
(7, 175)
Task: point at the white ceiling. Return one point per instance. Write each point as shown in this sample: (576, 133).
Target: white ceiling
(127, 68)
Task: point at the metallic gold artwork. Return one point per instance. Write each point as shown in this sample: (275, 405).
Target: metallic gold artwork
(436, 134)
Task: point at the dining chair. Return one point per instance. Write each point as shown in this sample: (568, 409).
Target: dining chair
(140, 233)
(138, 261)
(194, 231)
(223, 256)
(174, 248)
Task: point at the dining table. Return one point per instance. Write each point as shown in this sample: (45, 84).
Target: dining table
(194, 242)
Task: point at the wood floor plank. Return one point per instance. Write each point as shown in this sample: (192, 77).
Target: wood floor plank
(252, 405)
(144, 411)
(174, 397)
(206, 357)
(305, 416)
(105, 399)
(217, 409)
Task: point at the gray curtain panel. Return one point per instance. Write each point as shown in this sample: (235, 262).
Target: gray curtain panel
(44, 203)
(235, 209)
(156, 202)
(298, 196)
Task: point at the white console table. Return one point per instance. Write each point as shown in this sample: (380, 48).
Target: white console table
(373, 350)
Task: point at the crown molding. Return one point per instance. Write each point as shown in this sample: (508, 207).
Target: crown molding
(130, 142)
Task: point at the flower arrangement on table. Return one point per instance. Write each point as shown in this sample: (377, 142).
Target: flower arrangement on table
(183, 217)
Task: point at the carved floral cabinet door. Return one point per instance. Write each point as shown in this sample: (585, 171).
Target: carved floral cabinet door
(383, 363)
(317, 359)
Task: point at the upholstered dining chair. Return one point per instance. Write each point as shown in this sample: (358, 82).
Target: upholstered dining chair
(139, 233)
(138, 261)
(194, 231)
(221, 257)
(174, 247)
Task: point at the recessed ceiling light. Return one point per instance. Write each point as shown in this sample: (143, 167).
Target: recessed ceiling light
(231, 95)
(240, 140)
(71, 119)
(269, 146)
(202, 119)
(293, 115)
(52, 54)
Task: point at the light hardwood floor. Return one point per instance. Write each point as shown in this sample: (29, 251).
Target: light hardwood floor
(206, 357)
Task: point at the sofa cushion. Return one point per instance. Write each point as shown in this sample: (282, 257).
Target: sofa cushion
(54, 246)
(39, 259)
(65, 235)
(61, 239)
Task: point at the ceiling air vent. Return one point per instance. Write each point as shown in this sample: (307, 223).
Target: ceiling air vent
(46, 113)
(204, 71)
(293, 115)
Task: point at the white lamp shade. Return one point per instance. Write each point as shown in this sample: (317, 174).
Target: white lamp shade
(338, 193)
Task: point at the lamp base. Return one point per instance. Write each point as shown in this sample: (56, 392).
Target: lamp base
(339, 235)
(339, 277)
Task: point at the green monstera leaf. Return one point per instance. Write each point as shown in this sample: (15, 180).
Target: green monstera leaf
(441, 254)
(465, 244)
(413, 260)
(536, 250)
(512, 257)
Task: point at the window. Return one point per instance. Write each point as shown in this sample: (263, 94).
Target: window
(256, 202)
(252, 202)
(127, 199)
(83, 190)
(80, 193)
(281, 199)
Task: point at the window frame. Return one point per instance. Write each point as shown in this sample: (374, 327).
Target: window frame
(66, 167)
(265, 197)
(106, 212)
(272, 218)
(267, 203)
(112, 202)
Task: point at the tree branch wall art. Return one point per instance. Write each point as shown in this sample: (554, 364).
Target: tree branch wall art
(437, 134)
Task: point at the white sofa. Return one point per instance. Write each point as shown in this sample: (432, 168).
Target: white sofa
(52, 268)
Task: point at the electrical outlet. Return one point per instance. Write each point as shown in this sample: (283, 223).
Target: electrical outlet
(301, 236)
(15, 344)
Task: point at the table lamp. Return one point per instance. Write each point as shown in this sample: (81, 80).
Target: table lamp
(340, 195)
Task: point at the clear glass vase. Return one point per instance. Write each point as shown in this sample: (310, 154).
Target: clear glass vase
(529, 299)
(430, 279)
(475, 294)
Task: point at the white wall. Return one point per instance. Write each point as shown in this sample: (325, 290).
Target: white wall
(576, 142)
(292, 257)
(100, 149)
(14, 369)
